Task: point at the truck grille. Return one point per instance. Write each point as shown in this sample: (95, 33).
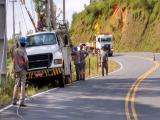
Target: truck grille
(40, 60)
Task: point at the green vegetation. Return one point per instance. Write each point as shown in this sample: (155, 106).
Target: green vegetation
(6, 93)
(135, 24)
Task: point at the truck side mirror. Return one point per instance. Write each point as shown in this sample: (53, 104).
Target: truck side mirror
(65, 40)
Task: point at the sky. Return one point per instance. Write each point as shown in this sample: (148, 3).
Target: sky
(22, 20)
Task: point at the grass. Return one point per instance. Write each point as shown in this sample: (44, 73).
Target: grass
(7, 92)
(113, 66)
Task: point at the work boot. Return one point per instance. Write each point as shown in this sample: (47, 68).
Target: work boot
(23, 105)
(14, 103)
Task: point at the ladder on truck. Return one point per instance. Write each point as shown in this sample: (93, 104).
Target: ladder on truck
(66, 52)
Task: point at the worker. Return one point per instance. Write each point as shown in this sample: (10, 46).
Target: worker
(76, 60)
(41, 23)
(104, 60)
(20, 70)
(83, 54)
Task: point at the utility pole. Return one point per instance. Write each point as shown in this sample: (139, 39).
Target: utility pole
(48, 15)
(13, 20)
(20, 31)
(3, 44)
(64, 14)
(13, 4)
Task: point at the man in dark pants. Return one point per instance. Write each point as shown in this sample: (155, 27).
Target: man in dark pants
(83, 54)
(76, 60)
(104, 60)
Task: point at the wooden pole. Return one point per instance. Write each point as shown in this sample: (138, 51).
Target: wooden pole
(3, 43)
(89, 67)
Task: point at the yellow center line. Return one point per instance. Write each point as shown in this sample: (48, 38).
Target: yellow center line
(132, 91)
(127, 100)
(140, 80)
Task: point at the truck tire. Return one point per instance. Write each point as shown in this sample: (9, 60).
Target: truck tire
(110, 54)
(61, 80)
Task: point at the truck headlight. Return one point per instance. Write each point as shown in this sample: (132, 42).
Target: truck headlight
(58, 61)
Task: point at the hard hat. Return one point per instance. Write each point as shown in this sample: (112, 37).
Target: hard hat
(23, 40)
(75, 49)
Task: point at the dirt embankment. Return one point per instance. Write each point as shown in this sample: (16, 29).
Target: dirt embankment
(135, 24)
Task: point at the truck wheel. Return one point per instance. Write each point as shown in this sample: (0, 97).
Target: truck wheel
(61, 80)
(110, 54)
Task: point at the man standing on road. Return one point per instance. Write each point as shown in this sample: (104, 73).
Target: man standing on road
(83, 54)
(41, 23)
(20, 70)
(76, 60)
(104, 60)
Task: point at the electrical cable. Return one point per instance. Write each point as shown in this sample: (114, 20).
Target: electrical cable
(18, 110)
(19, 107)
(20, 116)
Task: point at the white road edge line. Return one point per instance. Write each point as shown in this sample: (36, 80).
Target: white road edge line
(38, 94)
(121, 67)
(9, 106)
(5, 108)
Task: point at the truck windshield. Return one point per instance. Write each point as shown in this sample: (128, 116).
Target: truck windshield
(42, 39)
(106, 39)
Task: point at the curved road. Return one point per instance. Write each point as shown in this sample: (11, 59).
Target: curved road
(101, 98)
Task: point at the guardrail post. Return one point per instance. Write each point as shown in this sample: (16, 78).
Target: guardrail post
(97, 64)
(154, 57)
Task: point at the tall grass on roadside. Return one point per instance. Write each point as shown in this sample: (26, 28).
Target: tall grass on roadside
(6, 93)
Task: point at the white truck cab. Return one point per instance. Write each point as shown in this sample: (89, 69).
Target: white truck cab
(46, 56)
(102, 40)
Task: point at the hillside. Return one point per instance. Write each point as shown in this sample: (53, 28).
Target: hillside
(135, 24)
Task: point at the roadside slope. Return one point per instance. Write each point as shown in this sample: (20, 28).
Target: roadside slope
(134, 24)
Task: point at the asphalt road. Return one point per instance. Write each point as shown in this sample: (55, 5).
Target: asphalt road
(101, 98)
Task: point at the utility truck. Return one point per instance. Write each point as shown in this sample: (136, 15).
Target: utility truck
(49, 51)
(102, 40)
(49, 56)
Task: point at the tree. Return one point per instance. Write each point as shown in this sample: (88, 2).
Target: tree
(40, 7)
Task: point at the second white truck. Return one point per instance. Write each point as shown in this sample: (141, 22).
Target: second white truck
(102, 40)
